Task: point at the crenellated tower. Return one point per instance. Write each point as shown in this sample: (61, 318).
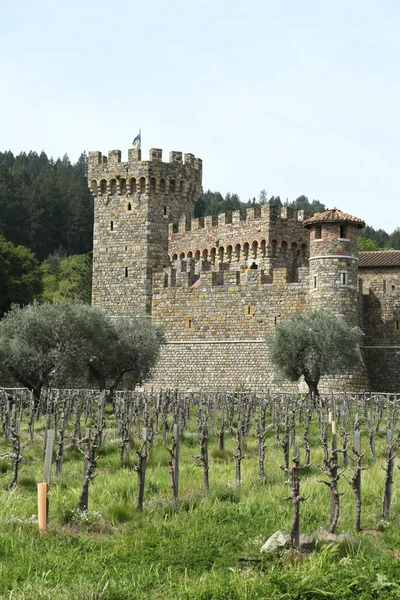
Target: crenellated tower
(134, 202)
(334, 263)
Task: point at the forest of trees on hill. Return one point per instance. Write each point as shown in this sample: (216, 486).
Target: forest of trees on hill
(45, 205)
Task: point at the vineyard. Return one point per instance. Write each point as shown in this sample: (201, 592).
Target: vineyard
(172, 495)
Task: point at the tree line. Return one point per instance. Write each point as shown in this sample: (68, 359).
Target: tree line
(46, 206)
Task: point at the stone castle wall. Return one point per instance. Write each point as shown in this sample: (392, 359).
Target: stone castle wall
(382, 327)
(218, 285)
(263, 235)
(216, 332)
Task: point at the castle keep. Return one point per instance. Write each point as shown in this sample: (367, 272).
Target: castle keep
(219, 284)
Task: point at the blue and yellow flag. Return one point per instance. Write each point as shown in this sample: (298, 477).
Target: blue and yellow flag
(137, 142)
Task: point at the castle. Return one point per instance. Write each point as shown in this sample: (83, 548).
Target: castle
(219, 284)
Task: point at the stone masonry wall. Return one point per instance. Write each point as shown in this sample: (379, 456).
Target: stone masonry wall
(382, 327)
(215, 333)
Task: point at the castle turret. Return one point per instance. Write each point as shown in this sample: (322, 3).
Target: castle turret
(333, 262)
(134, 202)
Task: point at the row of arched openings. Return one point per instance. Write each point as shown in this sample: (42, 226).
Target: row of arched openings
(133, 185)
(256, 250)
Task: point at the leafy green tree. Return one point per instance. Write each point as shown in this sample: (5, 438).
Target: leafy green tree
(313, 344)
(127, 349)
(263, 197)
(51, 344)
(394, 240)
(67, 279)
(20, 276)
(364, 244)
(35, 343)
(379, 235)
(45, 203)
(76, 278)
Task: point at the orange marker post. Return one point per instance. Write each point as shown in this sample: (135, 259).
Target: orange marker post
(42, 506)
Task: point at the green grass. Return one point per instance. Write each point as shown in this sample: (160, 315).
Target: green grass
(190, 551)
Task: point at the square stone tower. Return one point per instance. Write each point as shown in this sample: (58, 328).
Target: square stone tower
(134, 202)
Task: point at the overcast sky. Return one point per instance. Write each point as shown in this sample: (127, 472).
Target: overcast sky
(293, 97)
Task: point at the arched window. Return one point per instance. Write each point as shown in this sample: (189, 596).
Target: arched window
(142, 185)
(254, 249)
(229, 253)
(205, 254)
(189, 255)
(93, 186)
(294, 250)
(174, 257)
(113, 186)
(212, 255)
(237, 251)
(284, 249)
(172, 186)
(132, 185)
(181, 256)
(103, 187)
(122, 186)
(153, 185)
(197, 255)
(129, 207)
(246, 247)
(162, 186)
(263, 248)
(274, 248)
(181, 186)
(221, 254)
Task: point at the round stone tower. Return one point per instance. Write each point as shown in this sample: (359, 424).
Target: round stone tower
(134, 202)
(333, 262)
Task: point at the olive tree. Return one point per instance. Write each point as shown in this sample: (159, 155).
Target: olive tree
(44, 345)
(312, 344)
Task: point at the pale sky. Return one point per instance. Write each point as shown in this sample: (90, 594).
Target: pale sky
(297, 97)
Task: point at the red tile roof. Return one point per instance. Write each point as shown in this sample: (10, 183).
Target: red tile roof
(379, 258)
(334, 215)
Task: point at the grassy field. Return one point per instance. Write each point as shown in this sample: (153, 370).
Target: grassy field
(190, 551)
